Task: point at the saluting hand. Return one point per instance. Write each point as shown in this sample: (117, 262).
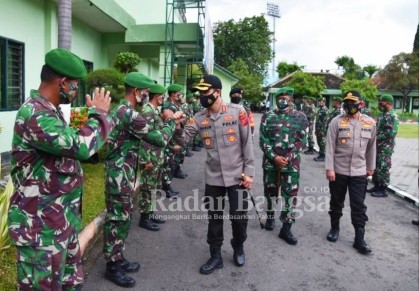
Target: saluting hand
(100, 99)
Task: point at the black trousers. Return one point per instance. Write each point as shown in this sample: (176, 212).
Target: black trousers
(214, 202)
(357, 187)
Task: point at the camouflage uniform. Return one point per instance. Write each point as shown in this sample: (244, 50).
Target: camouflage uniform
(187, 109)
(321, 128)
(310, 114)
(366, 111)
(387, 127)
(282, 134)
(150, 180)
(120, 170)
(44, 215)
(197, 141)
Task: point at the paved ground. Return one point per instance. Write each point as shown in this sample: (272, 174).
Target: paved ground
(171, 258)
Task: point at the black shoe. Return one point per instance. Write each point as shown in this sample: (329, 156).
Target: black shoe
(238, 255)
(320, 158)
(372, 189)
(196, 148)
(116, 274)
(215, 262)
(170, 191)
(188, 153)
(171, 194)
(129, 267)
(333, 234)
(145, 222)
(155, 218)
(270, 221)
(360, 243)
(286, 234)
(380, 192)
(201, 144)
(180, 174)
(415, 221)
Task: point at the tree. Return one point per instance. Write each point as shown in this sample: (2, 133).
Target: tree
(352, 70)
(402, 74)
(247, 39)
(366, 87)
(251, 83)
(307, 84)
(64, 24)
(125, 62)
(283, 68)
(370, 70)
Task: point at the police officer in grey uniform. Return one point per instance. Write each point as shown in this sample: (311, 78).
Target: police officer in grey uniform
(226, 135)
(350, 158)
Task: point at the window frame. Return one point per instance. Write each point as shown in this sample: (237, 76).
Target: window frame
(4, 74)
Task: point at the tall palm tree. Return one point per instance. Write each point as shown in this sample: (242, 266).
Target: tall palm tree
(64, 24)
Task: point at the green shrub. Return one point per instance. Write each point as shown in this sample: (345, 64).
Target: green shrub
(125, 62)
(109, 78)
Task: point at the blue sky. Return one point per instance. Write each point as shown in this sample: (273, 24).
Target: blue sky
(314, 33)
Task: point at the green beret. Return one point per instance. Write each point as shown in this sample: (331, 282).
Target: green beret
(321, 99)
(284, 91)
(175, 88)
(190, 95)
(65, 63)
(337, 99)
(158, 89)
(138, 80)
(386, 97)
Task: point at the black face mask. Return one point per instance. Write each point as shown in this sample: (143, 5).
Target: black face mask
(207, 100)
(382, 107)
(351, 108)
(236, 99)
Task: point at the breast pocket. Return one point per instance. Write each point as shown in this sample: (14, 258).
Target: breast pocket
(365, 138)
(230, 136)
(208, 138)
(345, 138)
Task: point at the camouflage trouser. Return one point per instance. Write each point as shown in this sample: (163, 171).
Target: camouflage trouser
(321, 141)
(196, 139)
(150, 180)
(180, 157)
(117, 224)
(381, 176)
(289, 182)
(310, 137)
(168, 167)
(53, 267)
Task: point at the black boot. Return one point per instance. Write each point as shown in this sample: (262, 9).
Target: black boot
(129, 267)
(155, 218)
(415, 221)
(188, 153)
(116, 274)
(286, 234)
(333, 234)
(238, 255)
(170, 192)
(215, 262)
(320, 158)
(380, 192)
(179, 173)
(196, 148)
(372, 189)
(310, 151)
(201, 144)
(145, 222)
(270, 220)
(360, 243)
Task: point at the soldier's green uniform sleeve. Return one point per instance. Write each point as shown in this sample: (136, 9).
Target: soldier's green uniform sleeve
(264, 141)
(389, 126)
(48, 133)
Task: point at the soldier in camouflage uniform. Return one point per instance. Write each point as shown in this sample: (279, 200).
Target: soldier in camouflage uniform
(387, 127)
(197, 142)
(45, 211)
(236, 97)
(363, 106)
(151, 159)
(120, 171)
(282, 137)
(321, 128)
(187, 109)
(337, 109)
(308, 110)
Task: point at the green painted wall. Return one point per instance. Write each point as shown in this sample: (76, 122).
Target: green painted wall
(227, 82)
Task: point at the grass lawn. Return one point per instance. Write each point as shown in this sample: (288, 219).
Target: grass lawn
(408, 130)
(93, 204)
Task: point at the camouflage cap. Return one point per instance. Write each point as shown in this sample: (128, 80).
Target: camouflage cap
(284, 91)
(138, 80)
(175, 88)
(386, 97)
(157, 89)
(65, 63)
(338, 99)
(352, 95)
